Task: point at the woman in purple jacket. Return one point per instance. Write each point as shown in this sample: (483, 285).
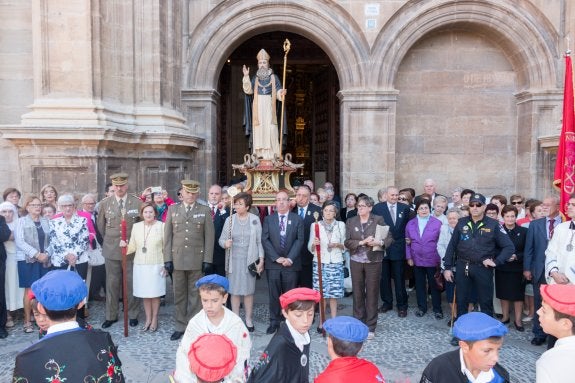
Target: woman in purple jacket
(421, 236)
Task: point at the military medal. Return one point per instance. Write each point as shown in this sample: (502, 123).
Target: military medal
(144, 248)
(303, 360)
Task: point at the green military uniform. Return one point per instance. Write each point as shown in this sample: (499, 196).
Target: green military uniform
(109, 224)
(188, 242)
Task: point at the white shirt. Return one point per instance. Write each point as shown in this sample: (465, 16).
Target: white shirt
(556, 365)
(300, 340)
(62, 327)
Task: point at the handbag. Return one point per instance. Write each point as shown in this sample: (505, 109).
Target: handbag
(439, 280)
(95, 257)
(253, 269)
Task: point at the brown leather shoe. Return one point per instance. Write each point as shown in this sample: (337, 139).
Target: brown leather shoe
(402, 313)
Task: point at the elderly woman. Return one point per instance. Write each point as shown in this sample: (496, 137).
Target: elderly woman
(331, 242)
(242, 235)
(455, 198)
(13, 195)
(453, 215)
(509, 283)
(32, 239)
(439, 207)
(350, 209)
(49, 195)
(421, 237)
(365, 261)
(69, 237)
(14, 293)
(149, 282)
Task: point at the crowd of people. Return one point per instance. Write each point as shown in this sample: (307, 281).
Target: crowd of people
(497, 259)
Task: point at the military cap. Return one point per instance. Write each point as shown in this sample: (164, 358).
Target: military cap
(119, 179)
(191, 186)
(212, 357)
(298, 294)
(346, 328)
(215, 279)
(60, 290)
(560, 297)
(477, 197)
(478, 326)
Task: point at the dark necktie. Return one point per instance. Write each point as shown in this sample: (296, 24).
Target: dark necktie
(188, 208)
(392, 212)
(551, 227)
(213, 212)
(121, 204)
(282, 232)
(301, 213)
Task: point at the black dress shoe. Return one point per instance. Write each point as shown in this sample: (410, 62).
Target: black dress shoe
(383, 309)
(3, 333)
(133, 322)
(251, 328)
(272, 329)
(454, 342)
(419, 313)
(506, 321)
(108, 323)
(537, 341)
(438, 316)
(176, 335)
(519, 327)
(319, 330)
(402, 313)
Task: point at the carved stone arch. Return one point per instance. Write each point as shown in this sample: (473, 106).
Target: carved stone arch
(232, 22)
(513, 25)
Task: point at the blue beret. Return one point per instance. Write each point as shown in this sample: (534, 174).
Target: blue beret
(346, 328)
(216, 279)
(478, 326)
(60, 290)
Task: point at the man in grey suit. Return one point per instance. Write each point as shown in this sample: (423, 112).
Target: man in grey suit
(282, 239)
(109, 222)
(539, 233)
(188, 251)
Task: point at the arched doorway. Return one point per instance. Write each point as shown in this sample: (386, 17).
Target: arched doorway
(311, 106)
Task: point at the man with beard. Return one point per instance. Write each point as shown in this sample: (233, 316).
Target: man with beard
(261, 120)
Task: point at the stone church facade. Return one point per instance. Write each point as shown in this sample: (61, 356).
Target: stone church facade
(468, 92)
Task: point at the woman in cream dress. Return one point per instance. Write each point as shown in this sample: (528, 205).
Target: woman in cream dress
(147, 241)
(14, 294)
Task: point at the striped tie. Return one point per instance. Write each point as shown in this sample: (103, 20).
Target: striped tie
(282, 232)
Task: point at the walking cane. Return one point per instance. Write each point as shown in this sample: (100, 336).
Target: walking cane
(453, 308)
(318, 253)
(124, 235)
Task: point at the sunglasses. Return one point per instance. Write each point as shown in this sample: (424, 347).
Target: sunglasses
(475, 204)
(516, 202)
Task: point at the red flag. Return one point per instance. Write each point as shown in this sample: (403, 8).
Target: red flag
(564, 179)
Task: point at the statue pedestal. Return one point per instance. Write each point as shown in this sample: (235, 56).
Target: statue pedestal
(267, 177)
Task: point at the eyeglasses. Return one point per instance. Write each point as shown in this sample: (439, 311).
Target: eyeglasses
(516, 202)
(475, 204)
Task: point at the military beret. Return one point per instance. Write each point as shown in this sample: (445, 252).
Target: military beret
(190, 186)
(212, 357)
(560, 297)
(119, 179)
(60, 290)
(477, 197)
(298, 294)
(346, 328)
(478, 326)
(215, 279)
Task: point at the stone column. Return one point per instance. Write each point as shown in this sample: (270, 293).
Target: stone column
(200, 110)
(367, 139)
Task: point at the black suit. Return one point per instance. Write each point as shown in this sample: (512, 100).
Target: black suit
(4, 236)
(417, 198)
(393, 265)
(219, 260)
(280, 278)
(344, 214)
(306, 274)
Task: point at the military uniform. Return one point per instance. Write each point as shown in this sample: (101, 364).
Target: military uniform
(109, 224)
(188, 243)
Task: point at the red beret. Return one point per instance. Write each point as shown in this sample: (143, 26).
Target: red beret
(298, 294)
(212, 357)
(560, 297)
